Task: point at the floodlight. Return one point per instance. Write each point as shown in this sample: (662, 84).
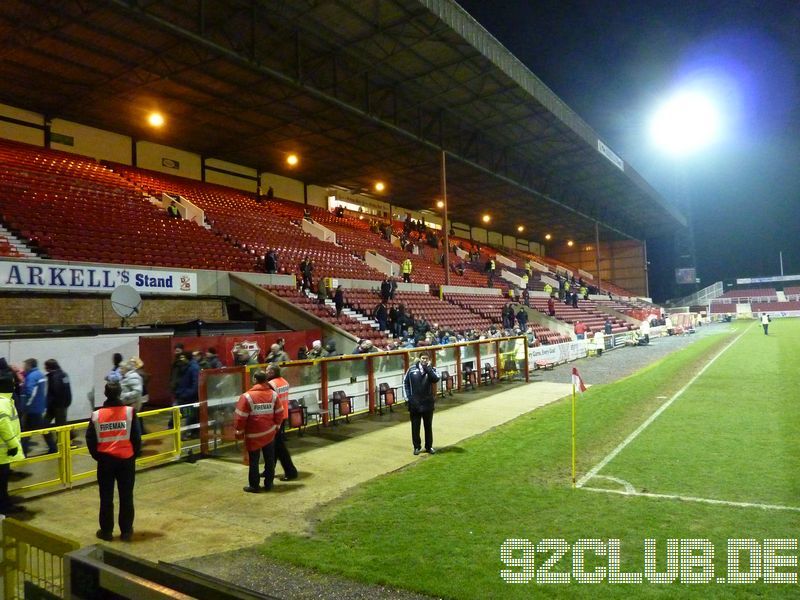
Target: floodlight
(685, 123)
(379, 186)
(292, 159)
(155, 119)
(486, 218)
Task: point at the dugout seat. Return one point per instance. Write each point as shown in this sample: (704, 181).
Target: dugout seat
(387, 396)
(343, 404)
(446, 383)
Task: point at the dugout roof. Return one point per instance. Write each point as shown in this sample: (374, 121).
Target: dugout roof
(363, 90)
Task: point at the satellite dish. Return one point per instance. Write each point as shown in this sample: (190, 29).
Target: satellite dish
(126, 302)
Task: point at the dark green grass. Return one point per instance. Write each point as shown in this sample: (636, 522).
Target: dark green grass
(437, 527)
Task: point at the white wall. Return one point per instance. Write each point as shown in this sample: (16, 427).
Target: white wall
(90, 141)
(284, 187)
(20, 133)
(495, 239)
(239, 183)
(479, 235)
(85, 359)
(317, 196)
(150, 156)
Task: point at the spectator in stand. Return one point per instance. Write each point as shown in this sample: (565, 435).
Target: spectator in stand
(338, 300)
(392, 321)
(307, 215)
(271, 261)
(35, 403)
(302, 353)
(580, 330)
(114, 375)
(392, 287)
(386, 290)
(381, 315)
(607, 326)
(306, 272)
(330, 349)
(270, 193)
(212, 360)
(322, 291)
(529, 333)
(584, 292)
(364, 347)
(551, 306)
(59, 397)
(276, 355)
(522, 318)
(575, 300)
(526, 297)
(316, 350)
(172, 211)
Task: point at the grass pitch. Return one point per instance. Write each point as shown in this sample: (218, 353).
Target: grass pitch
(438, 526)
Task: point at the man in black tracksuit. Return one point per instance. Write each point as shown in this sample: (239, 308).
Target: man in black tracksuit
(418, 384)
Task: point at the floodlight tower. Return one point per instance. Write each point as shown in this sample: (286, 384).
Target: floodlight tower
(682, 126)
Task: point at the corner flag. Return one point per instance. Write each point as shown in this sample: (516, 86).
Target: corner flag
(577, 382)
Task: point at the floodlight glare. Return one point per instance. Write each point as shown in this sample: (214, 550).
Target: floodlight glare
(155, 119)
(292, 159)
(548, 237)
(520, 228)
(440, 204)
(685, 123)
(379, 186)
(570, 243)
(486, 218)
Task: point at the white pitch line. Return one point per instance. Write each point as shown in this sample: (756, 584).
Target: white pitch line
(596, 469)
(696, 499)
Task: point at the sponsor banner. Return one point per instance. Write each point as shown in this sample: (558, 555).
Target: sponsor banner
(768, 279)
(35, 276)
(610, 155)
(558, 353)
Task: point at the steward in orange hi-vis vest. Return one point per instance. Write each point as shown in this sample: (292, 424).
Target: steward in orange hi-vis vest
(258, 416)
(114, 440)
(281, 387)
(113, 427)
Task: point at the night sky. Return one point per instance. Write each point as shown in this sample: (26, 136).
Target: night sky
(614, 61)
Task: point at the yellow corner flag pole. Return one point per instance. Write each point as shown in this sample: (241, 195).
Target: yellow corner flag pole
(573, 435)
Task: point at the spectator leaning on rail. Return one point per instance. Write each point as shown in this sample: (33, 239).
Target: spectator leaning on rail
(10, 444)
(114, 441)
(257, 416)
(418, 386)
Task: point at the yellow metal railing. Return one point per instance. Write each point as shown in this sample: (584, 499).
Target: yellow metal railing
(69, 458)
(31, 554)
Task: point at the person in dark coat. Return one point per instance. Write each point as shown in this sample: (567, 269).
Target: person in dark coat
(522, 318)
(418, 386)
(386, 290)
(338, 300)
(271, 261)
(59, 397)
(186, 392)
(381, 314)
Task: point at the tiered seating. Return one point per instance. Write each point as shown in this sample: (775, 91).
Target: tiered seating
(73, 208)
(6, 249)
(422, 306)
(357, 328)
(749, 293)
(773, 306)
(256, 227)
(792, 292)
(586, 313)
(490, 308)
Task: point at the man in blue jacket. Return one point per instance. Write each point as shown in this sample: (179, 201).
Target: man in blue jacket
(35, 403)
(418, 386)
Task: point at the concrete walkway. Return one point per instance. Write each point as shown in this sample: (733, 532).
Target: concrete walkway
(187, 510)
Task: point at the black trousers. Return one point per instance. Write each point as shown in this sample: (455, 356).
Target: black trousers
(5, 470)
(254, 475)
(30, 422)
(57, 414)
(121, 471)
(282, 453)
(407, 277)
(427, 419)
(766, 328)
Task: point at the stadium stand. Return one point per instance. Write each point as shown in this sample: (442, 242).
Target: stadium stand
(72, 208)
(749, 293)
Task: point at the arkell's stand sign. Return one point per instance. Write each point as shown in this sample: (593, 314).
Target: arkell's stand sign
(59, 277)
